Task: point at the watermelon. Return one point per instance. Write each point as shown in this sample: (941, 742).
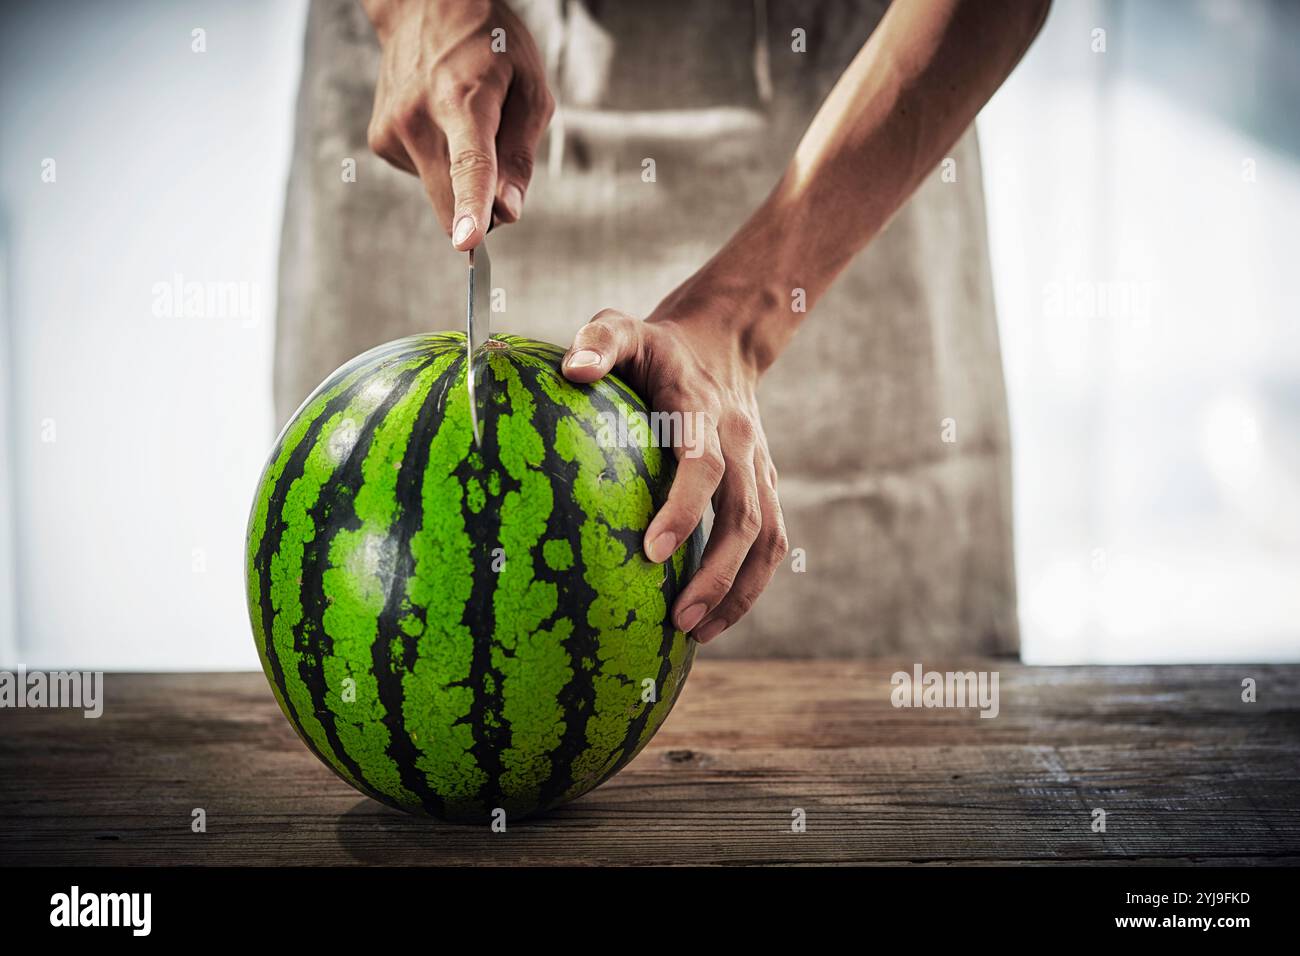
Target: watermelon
(458, 630)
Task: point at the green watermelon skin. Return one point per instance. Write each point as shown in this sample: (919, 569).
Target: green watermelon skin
(455, 629)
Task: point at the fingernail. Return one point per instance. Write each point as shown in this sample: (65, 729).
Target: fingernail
(464, 226)
(661, 546)
(512, 197)
(709, 631)
(691, 616)
(583, 358)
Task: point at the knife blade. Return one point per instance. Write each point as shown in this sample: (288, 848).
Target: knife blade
(478, 329)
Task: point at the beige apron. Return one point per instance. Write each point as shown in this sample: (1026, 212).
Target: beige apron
(904, 539)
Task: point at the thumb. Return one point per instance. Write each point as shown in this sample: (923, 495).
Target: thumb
(607, 340)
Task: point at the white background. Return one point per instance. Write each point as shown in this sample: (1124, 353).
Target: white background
(127, 552)
(1156, 450)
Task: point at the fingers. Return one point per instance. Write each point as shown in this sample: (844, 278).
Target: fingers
(764, 557)
(387, 145)
(738, 520)
(698, 477)
(523, 120)
(426, 150)
(722, 458)
(607, 340)
(469, 119)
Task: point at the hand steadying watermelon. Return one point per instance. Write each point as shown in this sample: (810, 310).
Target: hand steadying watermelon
(454, 629)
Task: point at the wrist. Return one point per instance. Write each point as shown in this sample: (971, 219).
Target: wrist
(751, 292)
(735, 319)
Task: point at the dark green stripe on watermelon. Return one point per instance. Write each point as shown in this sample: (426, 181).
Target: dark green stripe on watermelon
(420, 673)
(359, 740)
(267, 526)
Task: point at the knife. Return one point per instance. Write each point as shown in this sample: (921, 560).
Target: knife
(477, 328)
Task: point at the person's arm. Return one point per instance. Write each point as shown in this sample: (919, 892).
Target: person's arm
(904, 100)
(462, 114)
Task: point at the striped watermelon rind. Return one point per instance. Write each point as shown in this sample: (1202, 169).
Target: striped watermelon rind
(428, 669)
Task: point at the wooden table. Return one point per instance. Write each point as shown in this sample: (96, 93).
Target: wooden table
(1184, 770)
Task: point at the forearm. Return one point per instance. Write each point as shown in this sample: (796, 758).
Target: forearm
(904, 100)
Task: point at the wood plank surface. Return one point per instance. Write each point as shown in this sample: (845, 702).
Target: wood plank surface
(1184, 770)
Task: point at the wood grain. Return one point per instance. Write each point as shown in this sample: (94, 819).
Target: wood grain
(1185, 771)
